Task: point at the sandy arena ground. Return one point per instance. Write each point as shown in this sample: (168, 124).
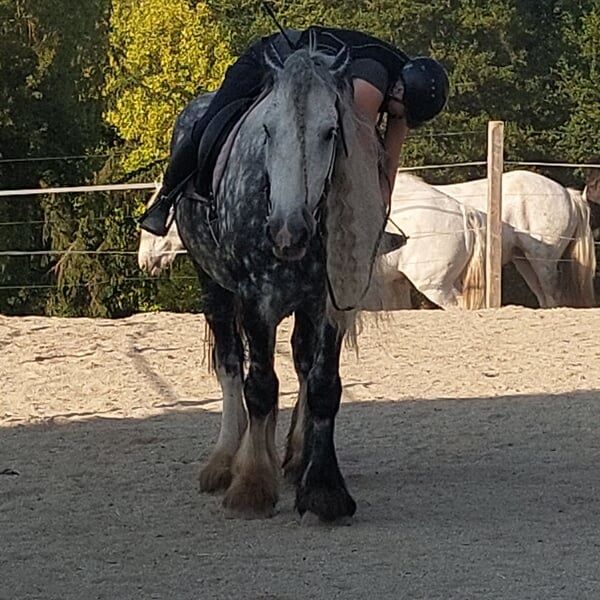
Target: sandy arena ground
(469, 440)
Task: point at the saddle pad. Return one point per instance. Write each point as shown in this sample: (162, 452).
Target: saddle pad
(390, 242)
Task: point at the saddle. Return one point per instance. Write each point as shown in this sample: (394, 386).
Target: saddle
(216, 138)
(199, 184)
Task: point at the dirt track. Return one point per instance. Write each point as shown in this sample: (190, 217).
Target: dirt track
(469, 440)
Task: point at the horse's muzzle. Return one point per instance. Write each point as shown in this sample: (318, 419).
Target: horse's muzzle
(291, 236)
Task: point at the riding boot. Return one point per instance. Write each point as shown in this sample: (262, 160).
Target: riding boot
(181, 166)
(156, 218)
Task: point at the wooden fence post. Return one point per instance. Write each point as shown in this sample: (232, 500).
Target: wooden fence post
(493, 259)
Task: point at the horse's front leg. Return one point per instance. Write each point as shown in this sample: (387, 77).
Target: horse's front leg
(254, 489)
(321, 489)
(228, 356)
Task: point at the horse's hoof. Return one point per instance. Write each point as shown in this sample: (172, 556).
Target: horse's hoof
(331, 505)
(309, 519)
(251, 497)
(216, 475)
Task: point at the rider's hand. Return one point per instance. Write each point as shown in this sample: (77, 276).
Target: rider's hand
(395, 101)
(396, 109)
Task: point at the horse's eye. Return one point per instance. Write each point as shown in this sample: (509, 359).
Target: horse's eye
(330, 134)
(267, 132)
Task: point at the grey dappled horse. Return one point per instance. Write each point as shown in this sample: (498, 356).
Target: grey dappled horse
(297, 222)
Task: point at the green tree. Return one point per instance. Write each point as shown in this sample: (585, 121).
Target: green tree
(50, 106)
(578, 76)
(162, 54)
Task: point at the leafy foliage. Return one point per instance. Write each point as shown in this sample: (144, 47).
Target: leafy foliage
(50, 105)
(163, 53)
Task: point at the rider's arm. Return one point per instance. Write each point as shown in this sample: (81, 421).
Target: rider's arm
(393, 140)
(368, 100)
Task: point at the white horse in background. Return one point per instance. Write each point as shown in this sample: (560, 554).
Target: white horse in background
(546, 234)
(448, 269)
(444, 257)
(591, 194)
(156, 253)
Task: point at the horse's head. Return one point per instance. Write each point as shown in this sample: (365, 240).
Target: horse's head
(301, 131)
(592, 184)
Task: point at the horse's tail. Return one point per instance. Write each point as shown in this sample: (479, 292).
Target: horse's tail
(473, 279)
(578, 270)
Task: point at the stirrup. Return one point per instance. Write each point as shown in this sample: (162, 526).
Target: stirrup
(390, 242)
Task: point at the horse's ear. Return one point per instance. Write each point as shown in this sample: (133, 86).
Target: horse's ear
(341, 62)
(273, 59)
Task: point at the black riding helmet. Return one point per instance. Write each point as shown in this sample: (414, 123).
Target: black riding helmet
(426, 89)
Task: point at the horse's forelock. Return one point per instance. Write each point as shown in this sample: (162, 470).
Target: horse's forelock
(303, 68)
(303, 71)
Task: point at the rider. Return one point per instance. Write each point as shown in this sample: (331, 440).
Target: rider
(385, 80)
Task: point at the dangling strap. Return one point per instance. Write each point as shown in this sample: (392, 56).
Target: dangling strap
(271, 14)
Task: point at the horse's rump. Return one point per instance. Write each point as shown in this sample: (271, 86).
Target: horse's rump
(444, 258)
(193, 111)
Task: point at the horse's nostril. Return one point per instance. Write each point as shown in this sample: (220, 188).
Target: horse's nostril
(268, 232)
(274, 226)
(309, 221)
(288, 235)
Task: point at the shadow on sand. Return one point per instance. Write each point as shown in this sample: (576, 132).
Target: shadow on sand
(473, 498)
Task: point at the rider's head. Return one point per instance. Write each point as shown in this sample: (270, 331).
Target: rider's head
(426, 89)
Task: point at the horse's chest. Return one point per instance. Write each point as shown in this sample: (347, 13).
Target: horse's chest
(285, 284)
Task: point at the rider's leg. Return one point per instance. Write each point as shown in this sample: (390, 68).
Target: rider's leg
(243, 79)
